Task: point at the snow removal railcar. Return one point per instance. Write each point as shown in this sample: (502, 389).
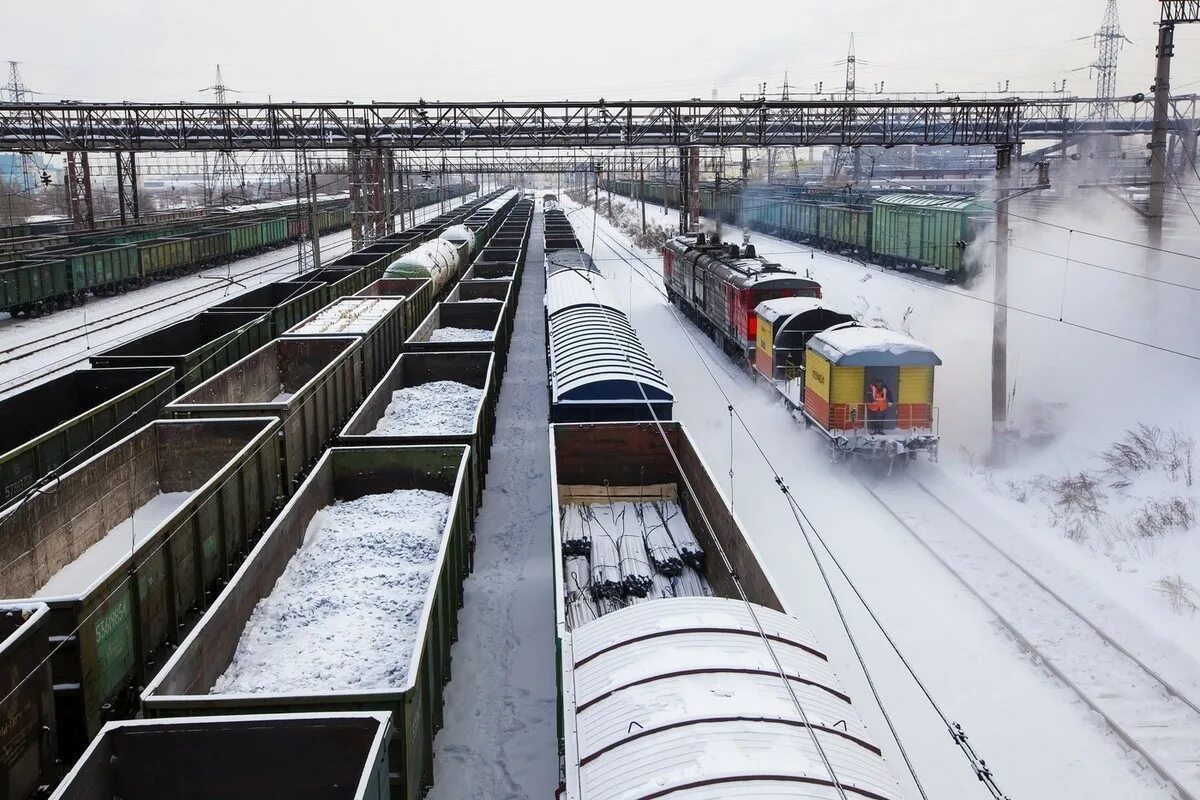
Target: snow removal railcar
(669, 676)
(718, 286)
(868, 390)
(847, 368)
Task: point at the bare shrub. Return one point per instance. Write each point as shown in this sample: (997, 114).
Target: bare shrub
(1018, 490)
(1150, 448)
(1076, 502)
(1157, 517)
(1182, 596)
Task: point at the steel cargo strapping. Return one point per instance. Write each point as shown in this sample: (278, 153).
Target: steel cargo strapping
(73, 416)
(312, 385)
(182, 687)
(112, 622)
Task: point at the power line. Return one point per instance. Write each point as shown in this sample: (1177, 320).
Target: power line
(978, 765)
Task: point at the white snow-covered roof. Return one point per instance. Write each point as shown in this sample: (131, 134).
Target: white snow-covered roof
(458, 234)
(596, 356)
(852, 345)
(680, 697)
(568, 288)
(771, 310)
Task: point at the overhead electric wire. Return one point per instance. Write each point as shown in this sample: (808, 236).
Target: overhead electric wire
(1049, 317)
(720, 549)
(978, 765)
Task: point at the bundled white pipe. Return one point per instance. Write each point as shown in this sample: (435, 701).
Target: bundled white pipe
(637, 576)
(576, 530)
(661, 587)
(691, 584)
(659, 545)
(605, 556)
(685, 541)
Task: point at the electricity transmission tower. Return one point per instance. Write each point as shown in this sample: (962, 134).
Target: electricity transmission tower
(1108, 41)
(840, 157)
(227, 181)
(15, 91)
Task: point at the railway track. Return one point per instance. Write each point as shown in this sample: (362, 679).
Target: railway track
(1149, 714)
(119, 319)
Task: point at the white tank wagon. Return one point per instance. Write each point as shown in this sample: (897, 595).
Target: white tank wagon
(441, 260)
(674, 691)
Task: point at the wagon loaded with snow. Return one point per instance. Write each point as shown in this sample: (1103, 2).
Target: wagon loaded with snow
(433, 399)
(298, 629)
(655, 636)
(462, 327)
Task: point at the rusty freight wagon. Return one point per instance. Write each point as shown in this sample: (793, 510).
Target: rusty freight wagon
(287, 302)
(488, 291)
(28, 752)
(417, 294)
(435, 415)
(671, 641)
(312, 385)
(310, 756)
(458, 327)
(377, 321)
(195, 348)
(194, 681)
(72, 416)
(126, 548)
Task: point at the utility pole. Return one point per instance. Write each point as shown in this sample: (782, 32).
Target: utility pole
(642, 195)
(1000, 428)
(1173, 12)
(314, 234)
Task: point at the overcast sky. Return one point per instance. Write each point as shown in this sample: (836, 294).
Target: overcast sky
(464, 50)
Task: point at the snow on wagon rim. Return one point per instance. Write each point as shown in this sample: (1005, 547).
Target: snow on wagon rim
(853, 345)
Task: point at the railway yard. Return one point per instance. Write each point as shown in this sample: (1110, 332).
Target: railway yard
(827, 445)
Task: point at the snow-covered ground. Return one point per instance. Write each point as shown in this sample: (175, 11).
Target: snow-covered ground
(223, 282)
(499, 740)
(1037, 736)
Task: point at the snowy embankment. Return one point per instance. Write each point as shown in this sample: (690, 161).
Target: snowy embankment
(1035, 734)
(437, 408)
(221, 283)
(345, 613)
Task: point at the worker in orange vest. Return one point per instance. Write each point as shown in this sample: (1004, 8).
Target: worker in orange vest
(880, 397)
(880, 401)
